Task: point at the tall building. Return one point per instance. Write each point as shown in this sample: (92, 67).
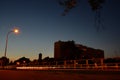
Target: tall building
(70, 50)
(89, 53)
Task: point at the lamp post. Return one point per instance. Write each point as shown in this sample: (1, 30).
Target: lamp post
(14, 31)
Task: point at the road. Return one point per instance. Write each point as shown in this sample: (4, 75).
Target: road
(57, 75)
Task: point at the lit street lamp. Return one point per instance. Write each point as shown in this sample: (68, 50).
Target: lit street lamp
(16, 31)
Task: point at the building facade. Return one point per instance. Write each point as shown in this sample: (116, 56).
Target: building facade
(69, 50)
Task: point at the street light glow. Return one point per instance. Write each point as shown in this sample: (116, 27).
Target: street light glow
(16, 31)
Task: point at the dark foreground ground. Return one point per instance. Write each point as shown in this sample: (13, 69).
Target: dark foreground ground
(58, 75)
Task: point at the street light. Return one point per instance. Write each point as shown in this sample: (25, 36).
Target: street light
(16, 31)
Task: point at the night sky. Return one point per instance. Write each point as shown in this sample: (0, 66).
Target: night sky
(41, 24)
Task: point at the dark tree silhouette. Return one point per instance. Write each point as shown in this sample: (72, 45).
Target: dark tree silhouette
(4, 61)
(96, 6)
(68, 4)
(22, 59)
